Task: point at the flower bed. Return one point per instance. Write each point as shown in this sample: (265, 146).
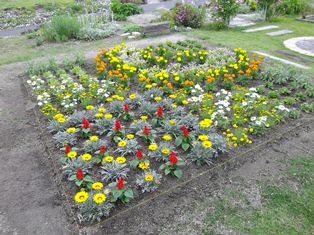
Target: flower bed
(148, 115)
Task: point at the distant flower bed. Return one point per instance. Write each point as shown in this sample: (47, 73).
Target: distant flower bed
(148, 114)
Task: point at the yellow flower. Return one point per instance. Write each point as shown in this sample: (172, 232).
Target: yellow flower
(143, 165)
(121, 160)
(153, 147)
(251, 129)
(130, 136)
(203, 137)
(81, 197)
(57, 116)
(165, 151)
(94, 138)
(122, 143)
(97, 185)
(132, 96)
(207, 144)
(144, 118)
(149, 177)
(174, 106)
(205, 123)
(99, 198)
(71, 130)
(172, 122)
(90, 107)
(101, 110)
(108, 115)
(148, 86)
(72, 154)
(61, 120)
(158, 98)
(185, 102)
(99, 115)
(86, 157)
(108, 159)
(167, 137)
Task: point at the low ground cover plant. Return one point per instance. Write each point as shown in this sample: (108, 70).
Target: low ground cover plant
(146, 114)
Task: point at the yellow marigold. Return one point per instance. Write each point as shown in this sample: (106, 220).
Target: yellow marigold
(90, 107)
(206, 123)
(99, 198)
(57, 116)
(120, 160)
(132, 96)
(94, 138)
(165, 151)
(108, 159)
(144, 117)
(203, 137)
(174, 106)
(207, 144)
(149, 177)
(99, 115)
(101, 110)
(81, 197)
(158, 98)
(143, 165)
(167, 137)
(71, 130)
(86, 157)
(185, 102)
(97, 185)
(72, 154)
(61, 120)
(153, 147)
(130, 136)
(172, 122)
(122, 143)
(108, 115)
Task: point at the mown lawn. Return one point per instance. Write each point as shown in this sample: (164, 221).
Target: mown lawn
(285, 210)
(30, 3)
(259, 40)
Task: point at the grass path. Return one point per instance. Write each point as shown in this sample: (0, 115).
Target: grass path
(30, 3)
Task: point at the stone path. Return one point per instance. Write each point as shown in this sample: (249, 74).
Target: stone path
(279, 33)
(253, 30)
(281, 60)
(303, 45)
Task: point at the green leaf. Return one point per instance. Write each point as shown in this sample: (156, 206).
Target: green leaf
(178, 141)
(178, 173)
(134, 163)
(117, 194)
(167, 171)
(185, 146)
(73, 177)
(128, 193)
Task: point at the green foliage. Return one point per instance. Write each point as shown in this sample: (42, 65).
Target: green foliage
(61, 28)
(292, 7)
(224, 10)
(123, 10)
(129, 28)
(188, 15)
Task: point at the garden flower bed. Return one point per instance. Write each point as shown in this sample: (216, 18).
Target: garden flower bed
(150, 116)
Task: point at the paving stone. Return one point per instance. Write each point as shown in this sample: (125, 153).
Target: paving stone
(280, 32)
(260, 29)
(155, 29)
(281, 60)
(303, 45)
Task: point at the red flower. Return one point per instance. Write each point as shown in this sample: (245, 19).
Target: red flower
(126, 108)
(120, 183)
(117, 126)
(173, 159)
(185, 131)
(67, 149)
(85, 124)
(159, 112)
(139, 154)
(79, 174)
(146, 130)
(102, 149)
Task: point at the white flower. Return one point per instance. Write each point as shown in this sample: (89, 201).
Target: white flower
(253, 119)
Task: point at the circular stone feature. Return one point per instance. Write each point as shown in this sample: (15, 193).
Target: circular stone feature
(303, 45)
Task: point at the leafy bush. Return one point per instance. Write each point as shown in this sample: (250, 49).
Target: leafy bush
(224, 10)
(123, 10)
(129, 28)
(61, 28)
(189, 16)
(292, 7)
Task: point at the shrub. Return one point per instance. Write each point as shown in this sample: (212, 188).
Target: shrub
(129, 28)
(61, 28)
(123, 10)
(224, 10)
(189, 16)
(292, 7)
(269, 8)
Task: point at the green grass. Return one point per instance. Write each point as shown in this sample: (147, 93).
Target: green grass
(18, 49)
(284, 210)
(30, 3)
(260, 41)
